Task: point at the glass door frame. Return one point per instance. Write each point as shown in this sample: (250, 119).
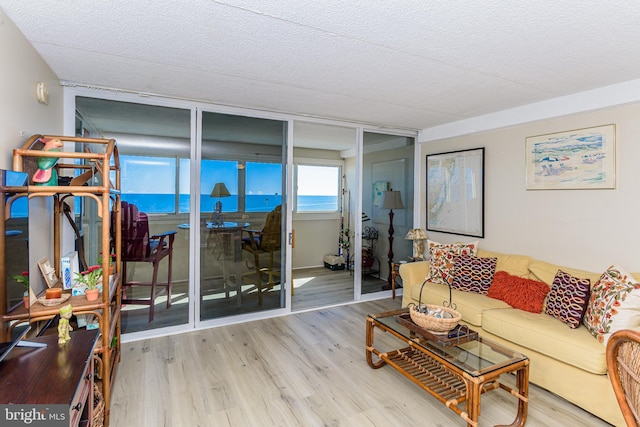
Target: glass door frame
(71, 91)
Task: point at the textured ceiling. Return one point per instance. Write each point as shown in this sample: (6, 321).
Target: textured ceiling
(409, 64)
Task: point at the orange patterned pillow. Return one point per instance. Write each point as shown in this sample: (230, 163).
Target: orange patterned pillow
(518, 292)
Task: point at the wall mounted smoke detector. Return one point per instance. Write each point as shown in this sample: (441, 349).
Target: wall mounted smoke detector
(42, 93)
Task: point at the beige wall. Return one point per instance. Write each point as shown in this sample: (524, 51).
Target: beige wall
(22, 116)
(588, 229)
(20, 113)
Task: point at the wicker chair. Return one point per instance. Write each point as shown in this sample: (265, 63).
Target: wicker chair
(623, 365)
(265, 241)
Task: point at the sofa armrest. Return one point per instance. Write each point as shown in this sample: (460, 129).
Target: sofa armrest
(412, 274)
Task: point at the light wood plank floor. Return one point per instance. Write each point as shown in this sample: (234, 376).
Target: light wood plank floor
(305, 369)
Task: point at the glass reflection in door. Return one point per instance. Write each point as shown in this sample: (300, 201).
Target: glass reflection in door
(387, 165)
(154, 147)
(241, 215)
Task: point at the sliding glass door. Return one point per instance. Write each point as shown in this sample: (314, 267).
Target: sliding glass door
(387, 206)
(154, 146)
(241, 218)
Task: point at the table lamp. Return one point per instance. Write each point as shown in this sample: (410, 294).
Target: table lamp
(391, 200)
(219, 190)
(418, 236)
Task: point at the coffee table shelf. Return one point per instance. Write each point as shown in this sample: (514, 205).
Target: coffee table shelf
(456, 375)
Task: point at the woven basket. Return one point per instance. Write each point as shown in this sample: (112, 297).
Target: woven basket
(98, 407)
(437, 325)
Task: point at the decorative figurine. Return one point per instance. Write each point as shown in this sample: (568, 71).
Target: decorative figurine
(63, 325)
(46, 174)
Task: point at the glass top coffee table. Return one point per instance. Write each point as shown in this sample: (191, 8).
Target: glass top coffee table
(456, 373)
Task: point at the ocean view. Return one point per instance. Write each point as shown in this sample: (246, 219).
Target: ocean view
(164, 203)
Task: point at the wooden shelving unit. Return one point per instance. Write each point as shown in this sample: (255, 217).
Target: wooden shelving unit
(86, 159)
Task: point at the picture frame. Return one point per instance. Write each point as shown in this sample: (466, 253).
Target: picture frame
(48, 272)
(455, 192)
(580, 159)
(379, 187)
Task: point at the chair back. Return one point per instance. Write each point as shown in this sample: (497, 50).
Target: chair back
(271, 237)
(623, 366)
(135, 233)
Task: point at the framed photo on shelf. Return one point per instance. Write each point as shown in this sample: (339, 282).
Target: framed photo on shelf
(48, 272)
(455, 192)
(573, 160)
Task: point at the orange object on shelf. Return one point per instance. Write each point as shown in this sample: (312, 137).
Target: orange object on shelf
(53, 293)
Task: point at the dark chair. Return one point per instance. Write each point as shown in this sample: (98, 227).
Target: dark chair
(138, 246)
(623, 366)
(265, 241)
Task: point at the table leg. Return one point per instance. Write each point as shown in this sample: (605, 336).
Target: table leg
(237, 246)
(370, 351)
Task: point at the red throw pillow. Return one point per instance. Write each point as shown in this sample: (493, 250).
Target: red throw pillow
(518, 292)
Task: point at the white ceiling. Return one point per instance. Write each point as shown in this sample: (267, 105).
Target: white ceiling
(409, 64)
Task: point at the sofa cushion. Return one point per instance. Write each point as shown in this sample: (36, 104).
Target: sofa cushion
(518, 292)
(471, 306)
(568, 298)
(546, 272)
(614, 304)
(518, 265)
(473, 274)
(441, 258)
(549, 336)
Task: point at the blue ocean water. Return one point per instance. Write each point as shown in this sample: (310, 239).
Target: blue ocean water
(164, 203)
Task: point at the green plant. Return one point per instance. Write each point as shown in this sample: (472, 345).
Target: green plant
(91, 277)
(22, 278)
(112, 259)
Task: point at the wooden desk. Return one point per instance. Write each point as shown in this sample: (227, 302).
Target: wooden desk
(55, 375)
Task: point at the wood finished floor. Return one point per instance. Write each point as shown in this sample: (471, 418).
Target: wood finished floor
(305, 369)
(314, 287)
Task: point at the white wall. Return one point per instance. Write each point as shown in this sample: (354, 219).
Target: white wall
(587, 229)
(22, 116)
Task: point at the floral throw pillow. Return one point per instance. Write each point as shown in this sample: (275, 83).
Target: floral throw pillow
(442, 257)
(568, 298)
(614, 304)
(473, 274)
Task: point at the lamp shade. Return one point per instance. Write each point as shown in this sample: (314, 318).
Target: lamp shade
(416, 234)
(391, 200)
(220, 190)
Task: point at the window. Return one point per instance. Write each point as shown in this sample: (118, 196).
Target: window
(213, 172)
(149, 183)
(318, 188)
(263, 186)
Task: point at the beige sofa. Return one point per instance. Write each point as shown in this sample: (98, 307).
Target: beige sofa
(568, 362)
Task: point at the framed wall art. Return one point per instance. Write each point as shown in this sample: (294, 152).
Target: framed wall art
(378, 188)
(576, 159)
(455, 192)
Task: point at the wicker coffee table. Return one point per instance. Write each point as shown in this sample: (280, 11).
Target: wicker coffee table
(455, 373)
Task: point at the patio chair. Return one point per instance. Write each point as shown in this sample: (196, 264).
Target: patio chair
(623, 366)
(138, 246)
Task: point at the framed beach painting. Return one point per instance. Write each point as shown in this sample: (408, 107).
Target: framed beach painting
(576, 159)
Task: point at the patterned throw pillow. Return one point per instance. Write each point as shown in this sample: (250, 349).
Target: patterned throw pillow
(518, 292)
(473, 274)
(568, 298)
(441, 259)
(614, 304)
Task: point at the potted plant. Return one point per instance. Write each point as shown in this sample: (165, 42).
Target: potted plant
(112, 266)
(24, 279)
(91, 278)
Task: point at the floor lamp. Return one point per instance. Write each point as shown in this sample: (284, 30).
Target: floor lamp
(390, 200)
